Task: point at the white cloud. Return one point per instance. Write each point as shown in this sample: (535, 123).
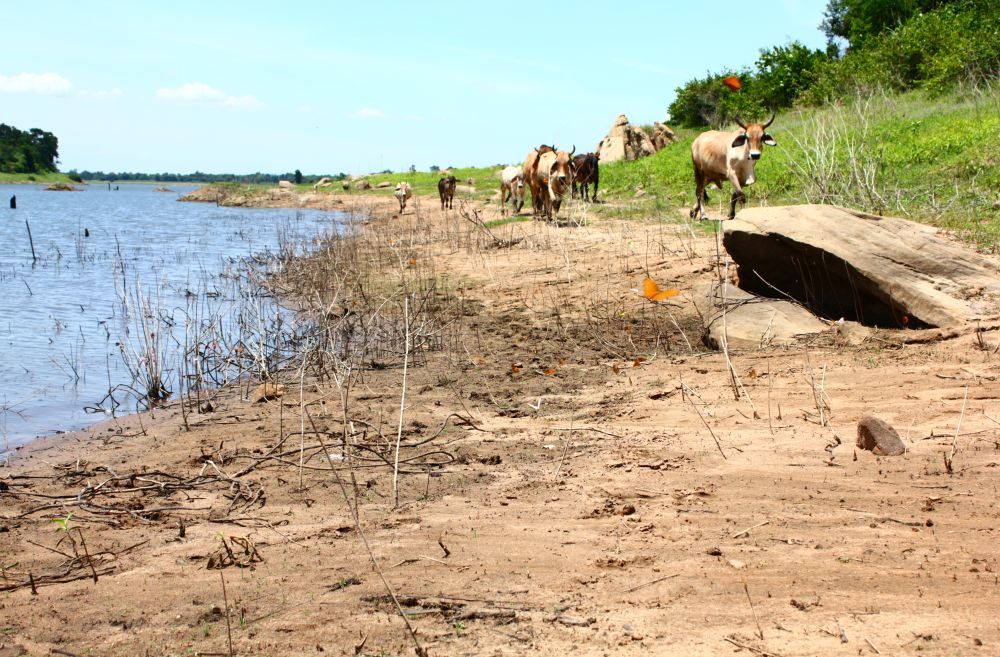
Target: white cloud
(199, 92)
(306, 109)
(243, 102)
(35, 83)
(102, 93)
(368, 113)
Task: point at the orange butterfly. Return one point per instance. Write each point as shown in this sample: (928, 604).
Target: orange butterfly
(732, 82)
(514, 368)
(638, 361)
(549, 371)
(652, 291)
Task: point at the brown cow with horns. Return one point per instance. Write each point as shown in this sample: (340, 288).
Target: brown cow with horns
(731, 156)
(548, 173)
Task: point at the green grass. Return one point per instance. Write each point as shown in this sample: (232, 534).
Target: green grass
(486, 181)
(931, 159)
(47, 177)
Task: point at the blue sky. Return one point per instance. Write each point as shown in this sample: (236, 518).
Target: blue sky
(327, 87)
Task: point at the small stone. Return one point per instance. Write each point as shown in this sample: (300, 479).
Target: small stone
(878, 437)
(267, 391)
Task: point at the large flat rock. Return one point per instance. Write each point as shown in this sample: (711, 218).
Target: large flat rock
(880, 271)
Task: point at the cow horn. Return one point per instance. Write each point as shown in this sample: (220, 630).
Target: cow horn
(572, 151)
(773, 114)
(739, 122)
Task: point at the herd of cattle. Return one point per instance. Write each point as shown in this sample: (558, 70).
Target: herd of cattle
(548, 173)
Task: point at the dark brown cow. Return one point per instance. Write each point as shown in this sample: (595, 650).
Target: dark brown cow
(586, 173)
(446, 190)
(732, 156)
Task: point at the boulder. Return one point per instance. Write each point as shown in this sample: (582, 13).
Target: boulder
(285, 184)
(879, 271)
(624, 142)
(663, 136)
(363, 184)
(878, 437)
(385, 184)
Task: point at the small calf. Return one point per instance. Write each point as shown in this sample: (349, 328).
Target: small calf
(512, 188)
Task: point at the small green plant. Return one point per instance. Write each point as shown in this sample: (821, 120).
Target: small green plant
(63, 523)
(458, 627)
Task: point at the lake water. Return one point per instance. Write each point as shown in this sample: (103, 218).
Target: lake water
(118, 272)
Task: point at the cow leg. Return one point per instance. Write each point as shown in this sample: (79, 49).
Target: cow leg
(593, 197)
(573, 193)
(737, 197)
(698, 211)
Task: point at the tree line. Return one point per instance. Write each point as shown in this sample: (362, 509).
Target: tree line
(895, 45)
(34, 151)
(202, 177)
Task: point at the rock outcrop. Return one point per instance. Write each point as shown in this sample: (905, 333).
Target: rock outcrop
(880, 271)
(663, 136)
(624, 142)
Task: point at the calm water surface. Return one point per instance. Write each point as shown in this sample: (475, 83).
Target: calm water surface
(61, 317)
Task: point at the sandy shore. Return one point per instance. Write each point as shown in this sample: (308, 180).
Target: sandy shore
(576, 476)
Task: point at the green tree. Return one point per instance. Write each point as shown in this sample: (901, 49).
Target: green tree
(856, 21)
(785, 72)
(298, 177)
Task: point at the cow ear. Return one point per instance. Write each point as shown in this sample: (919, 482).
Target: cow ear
(769, 140)
(739, 141)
